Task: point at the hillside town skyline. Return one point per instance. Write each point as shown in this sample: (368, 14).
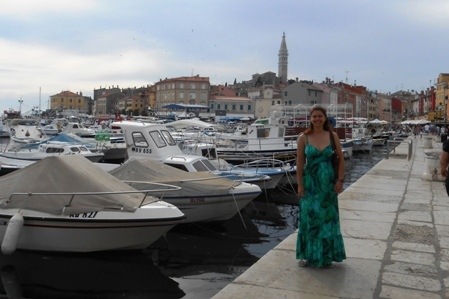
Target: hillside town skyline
(254, 97)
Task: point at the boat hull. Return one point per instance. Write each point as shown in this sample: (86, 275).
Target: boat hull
(94, 231)
(214, 208)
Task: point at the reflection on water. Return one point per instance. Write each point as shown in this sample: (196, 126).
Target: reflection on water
(190, 261)
(106, 275)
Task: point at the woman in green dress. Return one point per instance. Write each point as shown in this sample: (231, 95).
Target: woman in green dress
(319, 237)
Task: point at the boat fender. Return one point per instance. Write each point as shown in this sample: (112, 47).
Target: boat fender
(12, 234)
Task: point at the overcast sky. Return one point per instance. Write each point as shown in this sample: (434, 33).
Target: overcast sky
(54, 45)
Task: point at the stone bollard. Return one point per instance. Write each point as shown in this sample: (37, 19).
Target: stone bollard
(432, 170)
(427, 141)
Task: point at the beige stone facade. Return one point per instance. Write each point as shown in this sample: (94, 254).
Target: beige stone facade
(69, 100)
(183, 90)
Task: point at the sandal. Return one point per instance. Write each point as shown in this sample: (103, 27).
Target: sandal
(302, 263)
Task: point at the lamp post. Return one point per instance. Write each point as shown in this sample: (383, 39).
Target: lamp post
(20, 105)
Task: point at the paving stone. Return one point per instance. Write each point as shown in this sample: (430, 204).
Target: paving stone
(414, 246)
(444, 242)
(367, 215)
(412, 269)
(401, 293)
(415, 223)
(415, 257)
(415, 216)
(442, 230)
(414, 233)
(416, 206)
(411, 281)
(441, 217)
(444, 253)
(445, 266)
(365, 229)
(365, 248)
(362, 205)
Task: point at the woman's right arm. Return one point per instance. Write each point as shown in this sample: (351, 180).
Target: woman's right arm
(300, 160)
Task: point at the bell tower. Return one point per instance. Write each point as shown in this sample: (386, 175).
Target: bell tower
(283, 61)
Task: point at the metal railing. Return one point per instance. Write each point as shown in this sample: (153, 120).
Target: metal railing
(396, 142)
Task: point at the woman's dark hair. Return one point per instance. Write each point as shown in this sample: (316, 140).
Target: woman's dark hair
(326, 126)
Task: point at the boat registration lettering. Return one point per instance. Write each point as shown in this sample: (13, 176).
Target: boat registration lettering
(197, 200)
(84, 215)
(142, 150)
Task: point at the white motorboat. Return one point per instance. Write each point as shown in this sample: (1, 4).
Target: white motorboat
(24, 131)
(203, 197)
(273, 168)
(154, 141)
(49, 130)
(362, 145)
(347, 146)
(79, 129)
(261, 141)
(67, 204)
(17, 157)
(3, 132)
(362, 141)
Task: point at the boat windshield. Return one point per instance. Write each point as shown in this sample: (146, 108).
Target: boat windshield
(204, 165)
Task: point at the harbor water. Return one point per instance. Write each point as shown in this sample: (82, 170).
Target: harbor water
(190, 261)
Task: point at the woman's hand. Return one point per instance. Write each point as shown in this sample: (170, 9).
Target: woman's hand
(300, 190)
(338, 187)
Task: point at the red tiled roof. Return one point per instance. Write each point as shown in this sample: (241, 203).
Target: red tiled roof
(66, 93)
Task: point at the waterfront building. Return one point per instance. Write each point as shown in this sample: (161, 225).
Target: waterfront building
(133, 105)
(107, 102)
(302, 92)
(70, 100)
(193, 90)
(231, 106)
(264, 98)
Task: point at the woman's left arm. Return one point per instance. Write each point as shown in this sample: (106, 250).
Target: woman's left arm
(341, 165)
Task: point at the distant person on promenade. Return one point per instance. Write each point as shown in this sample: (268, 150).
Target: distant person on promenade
(416, 130)
(319, 237)
(444, 162)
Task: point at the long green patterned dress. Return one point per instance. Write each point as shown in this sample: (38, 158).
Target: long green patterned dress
(319, 237)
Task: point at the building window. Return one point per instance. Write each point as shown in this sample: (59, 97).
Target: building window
(211, 106)
(285, 93)
(192, 85)
(226, 106)
(249, 107)
(241, 107)
(181, 85)
(272, 103)
(181, 95)
(218, 106)
(192, 95)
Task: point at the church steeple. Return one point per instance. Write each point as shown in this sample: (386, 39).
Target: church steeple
(283, 61)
